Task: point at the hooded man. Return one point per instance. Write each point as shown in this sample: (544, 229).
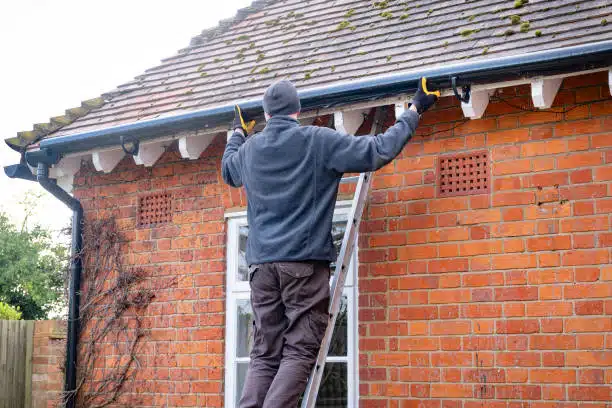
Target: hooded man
(291, 174)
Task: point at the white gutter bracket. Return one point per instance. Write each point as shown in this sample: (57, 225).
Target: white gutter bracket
(107, 160)
(348, 122)
(544, 91)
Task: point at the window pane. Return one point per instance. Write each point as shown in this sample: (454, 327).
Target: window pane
(338, 346)
(338, 228)
(334, 387)
(245, 328)
(243, 268)
(240, 379)
(333, 392)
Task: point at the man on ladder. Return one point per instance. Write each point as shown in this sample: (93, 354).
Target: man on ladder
(291, 174)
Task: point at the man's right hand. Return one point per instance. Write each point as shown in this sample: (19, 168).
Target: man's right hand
(424, 99)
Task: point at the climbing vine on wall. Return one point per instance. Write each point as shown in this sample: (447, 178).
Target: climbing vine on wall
(114, 299)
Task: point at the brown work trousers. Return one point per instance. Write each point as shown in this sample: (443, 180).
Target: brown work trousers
(290, 303)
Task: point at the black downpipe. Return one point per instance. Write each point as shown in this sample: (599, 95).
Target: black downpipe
(75, 280)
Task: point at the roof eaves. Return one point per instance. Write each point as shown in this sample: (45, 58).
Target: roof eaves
(40, 130)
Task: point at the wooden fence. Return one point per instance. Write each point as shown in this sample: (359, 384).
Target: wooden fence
(16, 340)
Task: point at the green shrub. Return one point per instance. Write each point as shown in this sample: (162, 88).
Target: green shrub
(8, 312)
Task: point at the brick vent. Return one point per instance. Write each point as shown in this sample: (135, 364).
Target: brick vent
(463, 174)
(154, 209)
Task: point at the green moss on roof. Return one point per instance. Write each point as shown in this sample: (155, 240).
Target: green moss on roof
(520, 3)
(333, 68)
(508, 32)
(217, 60)
(381, 4)
(349, 13)
(242, 38)
(203, 74)
(445, 44)
(362, 53)
(252, 45)
(429, 11)
(308, 74)
(604, 22)
(229, 42)
(468, 32)
(389, 58)
(260, 56)
(201, 67)
(264, 71)
(404, 16)
(538, 33)
(471, 18)
(386, 14)
(342, 25)
(514, 19)
(273, 22)
(525, 27)
(485, 51)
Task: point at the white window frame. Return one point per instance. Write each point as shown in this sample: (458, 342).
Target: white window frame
(237, 290)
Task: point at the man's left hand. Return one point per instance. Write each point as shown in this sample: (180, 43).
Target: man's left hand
(241, 121)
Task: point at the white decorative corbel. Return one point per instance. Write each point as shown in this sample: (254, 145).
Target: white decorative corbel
(66, 183)
(191, 147)
(543, 91)
(348, 122)
(477, 105)
(67, 166)
(610, 80)
(400, 108)
(107, 160)
(149, 153)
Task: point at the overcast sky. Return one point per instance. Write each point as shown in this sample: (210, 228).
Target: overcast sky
(56, 53)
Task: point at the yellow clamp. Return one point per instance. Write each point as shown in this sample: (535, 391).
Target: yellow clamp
(424, 86)
(248, 126)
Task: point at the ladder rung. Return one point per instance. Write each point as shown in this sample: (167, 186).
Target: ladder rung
(346, 180)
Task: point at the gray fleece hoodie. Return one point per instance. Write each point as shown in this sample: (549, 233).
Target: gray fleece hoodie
(291, 174)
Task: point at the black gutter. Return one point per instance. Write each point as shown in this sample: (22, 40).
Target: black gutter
(549, 62)
(75, 281)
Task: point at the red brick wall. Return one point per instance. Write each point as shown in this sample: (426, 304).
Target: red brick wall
(480, 301)
(494, 300)
(181, 359)
(48, 354)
